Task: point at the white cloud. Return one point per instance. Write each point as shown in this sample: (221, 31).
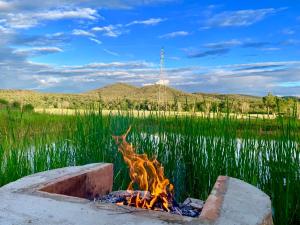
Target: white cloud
(110, 30)
(24, 20)
(130, 64)
(48, 81)
(163, 82)
(240, 18)
(175, 34)
(151, 21)
(37, 51)
(96, 41)
(270, 49)
(251, 78)
(23, 5)
(79, 32)
(4, 6)
(223, 44)
(5, 30)
(115, 30)
(79, 13)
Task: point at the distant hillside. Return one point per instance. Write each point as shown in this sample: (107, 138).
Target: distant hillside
(116, 93)
(229, 96)
(123, 96)
(150, 93)
(51, 100)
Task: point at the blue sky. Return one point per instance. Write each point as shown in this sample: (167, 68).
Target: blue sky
(248, 47)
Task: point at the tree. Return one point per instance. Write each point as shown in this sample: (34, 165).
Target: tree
(297, 107)
(207, 105)
(175, 103)
(269, 102)
(244, 107)
(186, 105)
(215, 107)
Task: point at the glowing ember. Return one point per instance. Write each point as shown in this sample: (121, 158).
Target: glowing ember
(155, 191)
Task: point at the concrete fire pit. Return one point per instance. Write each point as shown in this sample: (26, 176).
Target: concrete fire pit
(61, 196)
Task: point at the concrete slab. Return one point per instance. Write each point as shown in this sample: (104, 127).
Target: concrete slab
(232, 202)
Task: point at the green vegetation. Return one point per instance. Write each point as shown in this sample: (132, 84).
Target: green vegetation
(28, 108)
(127, 97)
(193, 150)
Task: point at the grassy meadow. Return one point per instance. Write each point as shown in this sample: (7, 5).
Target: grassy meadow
(194, 150)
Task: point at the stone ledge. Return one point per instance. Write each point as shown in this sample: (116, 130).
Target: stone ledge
(41, 199)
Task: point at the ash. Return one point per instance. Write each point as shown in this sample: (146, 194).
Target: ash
(190, 207)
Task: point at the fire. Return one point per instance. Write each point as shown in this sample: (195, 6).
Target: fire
(155, 191)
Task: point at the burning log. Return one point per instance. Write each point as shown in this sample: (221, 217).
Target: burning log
(194, 203)
(190, 207)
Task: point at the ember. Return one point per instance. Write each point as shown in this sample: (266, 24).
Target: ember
(191, 207)
(155, 191)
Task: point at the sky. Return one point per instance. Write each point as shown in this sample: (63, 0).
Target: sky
(72, 46)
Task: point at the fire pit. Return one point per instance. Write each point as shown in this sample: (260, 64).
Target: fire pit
(62, 196)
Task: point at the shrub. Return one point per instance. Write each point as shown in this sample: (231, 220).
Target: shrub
(28, 108)
(3, 103)
(16, 105)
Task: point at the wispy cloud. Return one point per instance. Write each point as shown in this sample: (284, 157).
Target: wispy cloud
(293, 42)
(56, 39)
(110, 30)
(223, 44)
(96, 41)
(213, 52)
(115, 30)
(79, 32)
(111, 52)
(30, 52)
(21, 5)
(255, 44)
(23, 20)
(224, 47)
(151, 21)
(248, 43)
(270, 49)
(175, 34)
(240, 18)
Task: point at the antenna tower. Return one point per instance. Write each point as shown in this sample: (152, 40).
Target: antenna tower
(161, 87)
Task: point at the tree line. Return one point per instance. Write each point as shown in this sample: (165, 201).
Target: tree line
(269, 105)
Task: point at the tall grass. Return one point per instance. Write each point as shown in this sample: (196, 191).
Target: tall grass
(193, 150)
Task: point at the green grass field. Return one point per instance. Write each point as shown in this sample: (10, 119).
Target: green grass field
(193, 150)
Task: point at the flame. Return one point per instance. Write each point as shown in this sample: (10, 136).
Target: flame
(148, 175)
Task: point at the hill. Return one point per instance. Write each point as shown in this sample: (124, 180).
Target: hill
(115, 91)
(121, 95)
(150, 93)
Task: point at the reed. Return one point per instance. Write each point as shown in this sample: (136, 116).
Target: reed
(193, 150)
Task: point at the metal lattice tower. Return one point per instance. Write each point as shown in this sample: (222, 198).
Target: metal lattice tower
(161, 87)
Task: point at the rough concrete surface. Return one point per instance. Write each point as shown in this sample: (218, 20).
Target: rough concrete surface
(243, 204)
(21, 202)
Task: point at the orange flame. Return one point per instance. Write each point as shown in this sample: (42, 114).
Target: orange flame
(148, 175)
